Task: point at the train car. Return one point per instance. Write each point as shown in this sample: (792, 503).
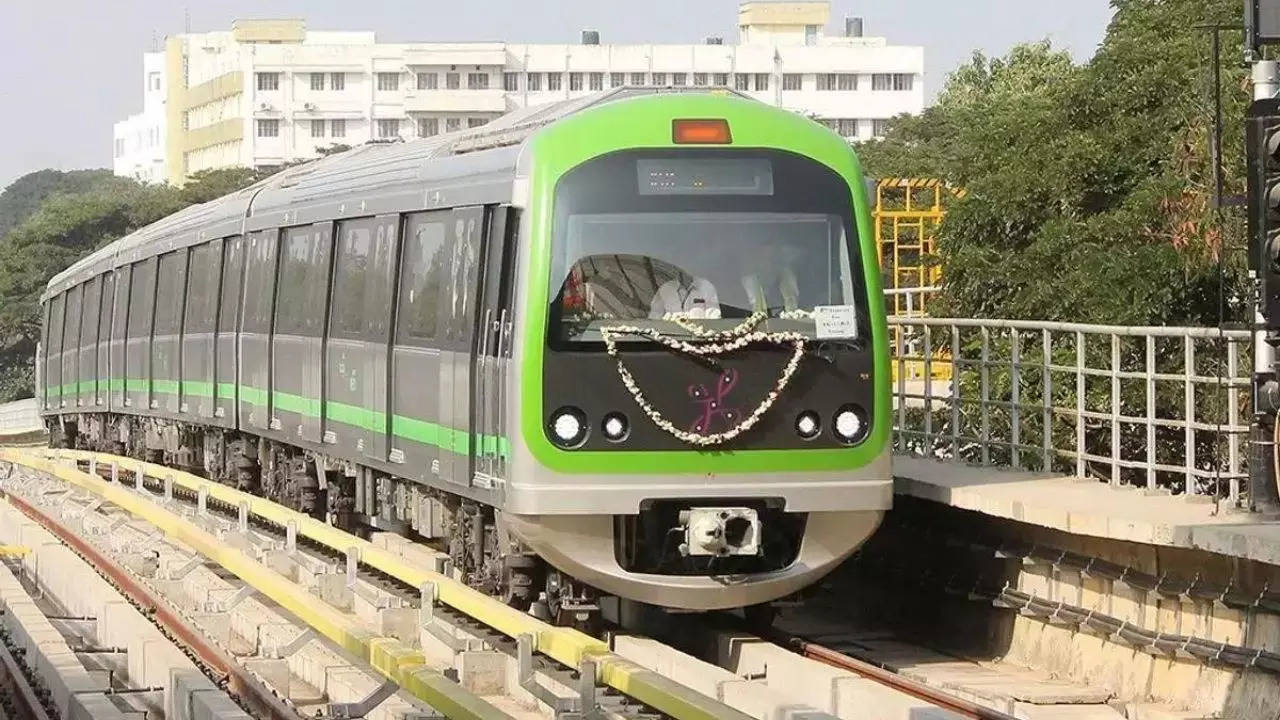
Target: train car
(626, 345)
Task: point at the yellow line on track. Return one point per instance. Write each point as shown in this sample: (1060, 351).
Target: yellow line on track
(565, 645)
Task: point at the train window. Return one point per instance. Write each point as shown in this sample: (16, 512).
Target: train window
(169, 291)
(142, 288)
(54, 345)
(304, 280)
(362, 280)
(71, 326)
(89, 309)
(201, 288)
(233, 265)
(422, 274)
(108, 305)
(260, 278)
(463, 264)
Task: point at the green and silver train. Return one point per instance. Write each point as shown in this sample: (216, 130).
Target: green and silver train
(626, 345)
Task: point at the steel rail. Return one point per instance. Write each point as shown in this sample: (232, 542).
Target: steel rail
(239, 681)
(564, 645)
(13, 680)
(890, 679)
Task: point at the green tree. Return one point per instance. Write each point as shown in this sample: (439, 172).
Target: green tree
(23, 196)
(1089, 185)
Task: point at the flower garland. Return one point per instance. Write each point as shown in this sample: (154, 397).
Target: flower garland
(714, 342)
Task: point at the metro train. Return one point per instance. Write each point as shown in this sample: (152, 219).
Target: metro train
(627, 345)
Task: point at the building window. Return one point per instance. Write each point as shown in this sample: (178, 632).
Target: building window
(700, 79)
(881, 81)
(510, 82)
(846, 81)
(555, 81)
(119, 147)
(317, 81)
(575, 82)
(268, 81)
(659, 78)
(476, 122)
(428, 127)
(680, 79)
(595, 81)
(533, 82)
(741, 81)
(388, 81)
(153, 81)
(793, 81)
(337, 81)
(637, 78)
(617, 79)
(388, 127)
(477, 81)
(902, 81)
(848, 128)
(878, 126)
(722, 79)
(427, 81)
(762, 82)
(826, 81)
(268, 128)
(453, 124)
(317, 128)
(338, 128)
(452, 81)
(810, 34)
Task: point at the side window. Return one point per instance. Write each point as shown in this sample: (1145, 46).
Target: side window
(466, 229)
(304, 280)
(55, 325)
(108, 305)
(422, 274)
(260, 278)
(170, 288)
(233, 266)
(71, 326)
(378, 291)
(119, 329)
(142, 288)
(354, 245)
(90, 307)
(201, 283)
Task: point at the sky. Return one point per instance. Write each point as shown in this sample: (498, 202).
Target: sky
(74, 67)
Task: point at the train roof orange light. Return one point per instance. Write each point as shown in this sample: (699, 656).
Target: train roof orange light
(701, 132)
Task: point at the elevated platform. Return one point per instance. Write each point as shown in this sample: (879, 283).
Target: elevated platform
(1091, 508)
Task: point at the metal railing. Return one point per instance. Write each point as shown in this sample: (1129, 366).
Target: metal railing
(20, 416)
(1162, 408)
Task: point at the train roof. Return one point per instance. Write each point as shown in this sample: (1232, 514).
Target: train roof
(462, 162)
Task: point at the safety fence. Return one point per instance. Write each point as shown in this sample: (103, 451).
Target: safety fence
(1163, 408)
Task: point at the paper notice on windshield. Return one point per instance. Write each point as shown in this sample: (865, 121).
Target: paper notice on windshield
(835, 321)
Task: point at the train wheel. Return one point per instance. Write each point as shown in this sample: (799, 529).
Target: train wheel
(521, 581)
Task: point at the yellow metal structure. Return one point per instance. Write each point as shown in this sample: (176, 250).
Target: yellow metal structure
(389, 656)
(907, 214)
(9, 551)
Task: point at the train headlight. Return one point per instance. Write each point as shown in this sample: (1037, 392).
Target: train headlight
(569, 427)
(808, 425)
(615, 427)
(850, 424)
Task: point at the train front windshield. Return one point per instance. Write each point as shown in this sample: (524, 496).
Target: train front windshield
(712, 235)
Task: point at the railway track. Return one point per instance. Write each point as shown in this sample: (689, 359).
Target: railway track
(388, 606)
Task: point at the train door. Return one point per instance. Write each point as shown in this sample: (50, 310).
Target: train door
(137, 358)
(255, 330)
(225, 367)
(199, 388)
(492, 347)
(298, 338)
(103, 348)
(356, 351)
(119, 333)
(466, 233)
(417, 433)
(166, 339)
(90, 308)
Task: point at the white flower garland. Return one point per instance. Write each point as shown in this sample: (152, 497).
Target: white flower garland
(713, 343)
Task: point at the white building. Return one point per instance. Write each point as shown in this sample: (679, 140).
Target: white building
(269, 91)
(139, 140)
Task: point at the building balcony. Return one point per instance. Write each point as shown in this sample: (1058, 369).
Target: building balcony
(455, 101)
